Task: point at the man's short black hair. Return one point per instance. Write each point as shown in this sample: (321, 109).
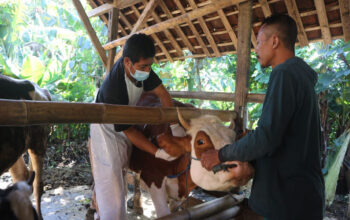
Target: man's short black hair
(139, 46)
(286, 28)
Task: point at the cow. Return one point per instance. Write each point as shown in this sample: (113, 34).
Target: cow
(174, 180)
(15, 140)
(15, 201)
(205, 133)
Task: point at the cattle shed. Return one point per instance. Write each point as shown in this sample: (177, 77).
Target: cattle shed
(183, 29)
(211, 28)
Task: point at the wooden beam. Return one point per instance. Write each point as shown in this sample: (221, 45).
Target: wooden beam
(216, 96)
(156, 39)
(178, 20)
(206, 30)
(294, 13)
(154, 36)
(243, 56)
(265, 8)
(105, 20)
(125, 3)
(102, 9)
(25, 112)
(167, 33)
(253, 38)
(228, 27)
(112, 35)
(194, 30)
(150, 6)
(176, 27)
(344, 6)
(92, 34)
(141, 19)
(323, 20)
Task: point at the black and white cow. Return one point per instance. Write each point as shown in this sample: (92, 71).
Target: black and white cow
(14, 141)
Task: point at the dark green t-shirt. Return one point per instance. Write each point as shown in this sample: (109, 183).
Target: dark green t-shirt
(285, 147)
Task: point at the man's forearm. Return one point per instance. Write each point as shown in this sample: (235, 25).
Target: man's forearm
(140, 141)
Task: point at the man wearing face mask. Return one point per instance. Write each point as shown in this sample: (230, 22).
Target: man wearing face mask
(111, 144)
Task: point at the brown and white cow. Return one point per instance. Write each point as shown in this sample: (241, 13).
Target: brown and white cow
(14, 141)
(205, 133)
(174, 180)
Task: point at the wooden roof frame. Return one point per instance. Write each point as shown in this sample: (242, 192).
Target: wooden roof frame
(212, 28)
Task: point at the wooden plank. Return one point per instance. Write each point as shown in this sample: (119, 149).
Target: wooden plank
(25, 112)
(102, 9)
(243, 56)
(216, 96)
(178, 20)
(265, 8)
(112, 35)
(294, 13)
(176, 27)
(206, 30)
(150, 6)
(344, 6)
(92, 34)
(228, 27)
(323, 20)
(194, 30)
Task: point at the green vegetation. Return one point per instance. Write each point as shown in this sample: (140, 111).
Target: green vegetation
(45, 41)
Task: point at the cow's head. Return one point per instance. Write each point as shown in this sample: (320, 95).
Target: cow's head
(205, 133)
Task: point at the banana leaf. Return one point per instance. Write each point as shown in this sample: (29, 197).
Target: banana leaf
(334, 163)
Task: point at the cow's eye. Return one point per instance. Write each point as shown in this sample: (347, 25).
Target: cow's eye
(200, 142)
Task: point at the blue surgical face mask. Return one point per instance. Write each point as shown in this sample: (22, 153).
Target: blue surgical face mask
(139, 75)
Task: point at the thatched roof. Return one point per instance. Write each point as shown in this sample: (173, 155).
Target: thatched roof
(209, 27)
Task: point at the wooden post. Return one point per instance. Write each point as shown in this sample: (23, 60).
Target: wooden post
(243, 56)
(92, 34)
(112, 35)
(344, 6)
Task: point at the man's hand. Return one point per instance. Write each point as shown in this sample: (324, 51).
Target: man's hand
(209, 159)
(162, 154)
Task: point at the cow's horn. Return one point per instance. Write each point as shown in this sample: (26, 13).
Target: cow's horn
(232, 124)
(183, 122)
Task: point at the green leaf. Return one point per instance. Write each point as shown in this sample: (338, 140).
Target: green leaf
(33, 69)
(333, 166)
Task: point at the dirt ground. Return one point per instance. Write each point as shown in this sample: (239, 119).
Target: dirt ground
(68, 180)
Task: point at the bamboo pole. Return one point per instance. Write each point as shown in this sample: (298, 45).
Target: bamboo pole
(24, 112)
(207, 209)
(217, 96)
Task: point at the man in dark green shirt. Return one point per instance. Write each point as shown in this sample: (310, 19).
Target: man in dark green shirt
(285, 147)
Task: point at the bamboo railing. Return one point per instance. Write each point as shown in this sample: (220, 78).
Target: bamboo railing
(24, 112)
(217, 96)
